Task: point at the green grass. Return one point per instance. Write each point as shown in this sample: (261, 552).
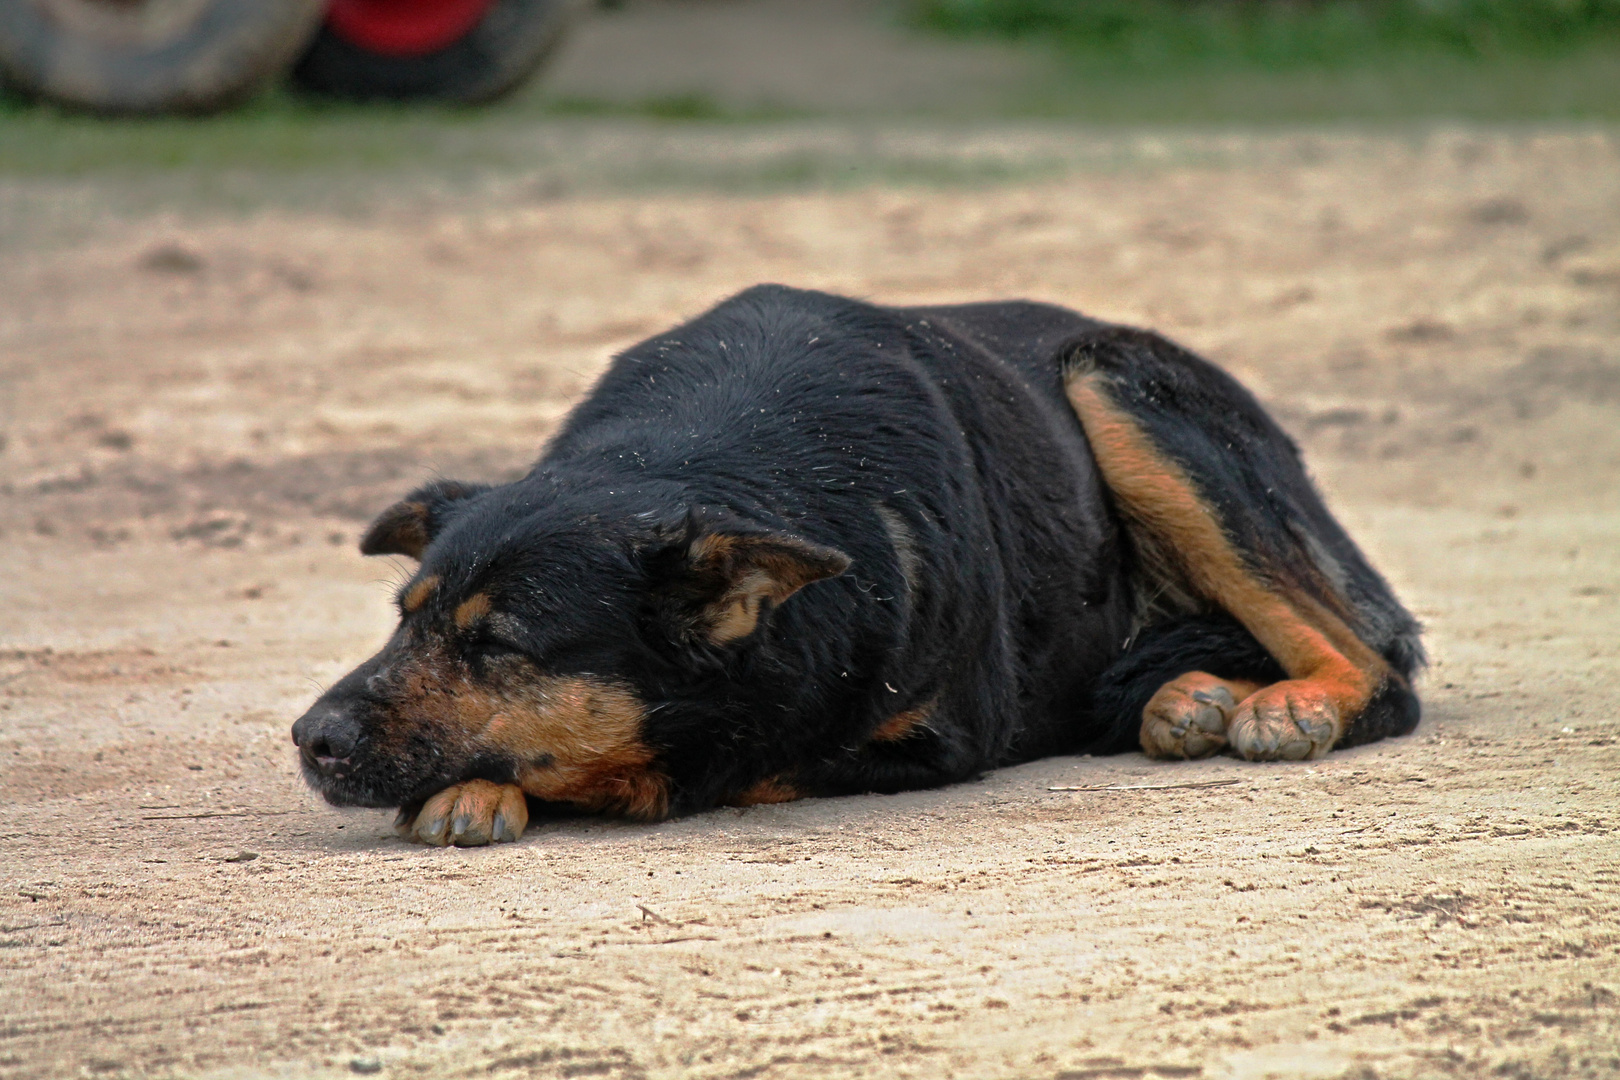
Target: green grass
(1401, 90)
(676, 107)
(1281, 34)
(280, 131)
(1308, 61)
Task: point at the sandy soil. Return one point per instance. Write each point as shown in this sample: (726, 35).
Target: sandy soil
(200, 413)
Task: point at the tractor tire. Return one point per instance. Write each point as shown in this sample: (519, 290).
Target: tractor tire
(150, 56)
(463, 52)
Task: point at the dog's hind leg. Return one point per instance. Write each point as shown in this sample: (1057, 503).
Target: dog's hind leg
(1222, 518)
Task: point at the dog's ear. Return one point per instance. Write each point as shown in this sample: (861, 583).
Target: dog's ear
(715, 583)
(409, 526)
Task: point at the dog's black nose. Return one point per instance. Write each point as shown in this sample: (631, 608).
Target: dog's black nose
(327, 736)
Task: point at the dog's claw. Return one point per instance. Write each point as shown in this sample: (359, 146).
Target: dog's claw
(1219, 696)
(432, 829)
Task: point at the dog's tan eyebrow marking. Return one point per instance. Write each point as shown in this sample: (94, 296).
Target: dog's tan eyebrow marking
(418, 594)
(472, 609)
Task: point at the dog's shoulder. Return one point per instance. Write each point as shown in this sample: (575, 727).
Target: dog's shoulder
(1026, 336)
(768, 369)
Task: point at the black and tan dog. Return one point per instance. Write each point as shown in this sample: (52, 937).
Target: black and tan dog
(804, 545)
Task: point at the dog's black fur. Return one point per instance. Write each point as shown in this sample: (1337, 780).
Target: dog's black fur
(938, 579)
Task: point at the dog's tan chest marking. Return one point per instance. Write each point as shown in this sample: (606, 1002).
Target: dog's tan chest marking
(581, 742)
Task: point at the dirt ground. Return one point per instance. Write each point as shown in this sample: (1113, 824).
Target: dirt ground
(199, 413)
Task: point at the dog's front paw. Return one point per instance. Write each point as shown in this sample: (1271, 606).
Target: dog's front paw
(1188, 716)
(1286, 721)
(468, 815)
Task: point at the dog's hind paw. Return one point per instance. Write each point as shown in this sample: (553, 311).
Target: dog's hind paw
(1286, 721)
(468, 815)
(1188, 717)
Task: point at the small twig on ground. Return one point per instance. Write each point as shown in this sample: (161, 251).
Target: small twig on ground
(214, 814)
(648, 913)
(1149, 787)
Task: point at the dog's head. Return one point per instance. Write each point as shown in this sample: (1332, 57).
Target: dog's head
(530, 634)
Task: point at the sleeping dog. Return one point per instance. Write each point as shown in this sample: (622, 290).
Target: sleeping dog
(808, 546)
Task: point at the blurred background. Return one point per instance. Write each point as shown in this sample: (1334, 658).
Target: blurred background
(284, 77)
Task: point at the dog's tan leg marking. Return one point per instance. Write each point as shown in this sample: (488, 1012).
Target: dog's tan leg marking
(1331, 673)
(772, 790)
(468, 815)
(1189, 715)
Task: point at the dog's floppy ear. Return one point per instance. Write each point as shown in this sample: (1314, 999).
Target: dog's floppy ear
(717, 581)
(409, 526)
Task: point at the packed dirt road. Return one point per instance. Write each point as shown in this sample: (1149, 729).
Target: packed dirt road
(200, 412)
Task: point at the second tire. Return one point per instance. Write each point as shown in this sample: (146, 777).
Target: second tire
(458, 51)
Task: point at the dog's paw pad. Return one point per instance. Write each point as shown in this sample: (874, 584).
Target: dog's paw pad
(1287, 721)
(472, 814)
(1188, 717)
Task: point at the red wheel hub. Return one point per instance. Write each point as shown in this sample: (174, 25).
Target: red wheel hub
(405, 27)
